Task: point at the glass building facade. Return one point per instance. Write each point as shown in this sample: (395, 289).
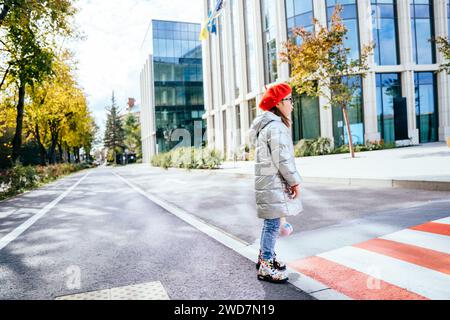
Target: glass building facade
(426, 106)
(236, 61)
(422, 28)
(299, 13)
(385, 31)
(178, 80)
(268, 8)
(385, 105)
(388, 90)
(355, 116)
(250, 33)
(349, 17)
(448, 18)
(306, 113)
(305, 118)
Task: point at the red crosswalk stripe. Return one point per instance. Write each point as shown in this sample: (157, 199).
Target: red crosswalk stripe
(434, 227)
(354, 284)
(427, 258)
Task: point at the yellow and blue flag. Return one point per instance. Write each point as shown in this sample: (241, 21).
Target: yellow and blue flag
(209, 24)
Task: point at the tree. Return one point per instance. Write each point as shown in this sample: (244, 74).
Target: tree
(321, 66)
(444, 48)
(114, 132)
(57, 115)
(30, 29)
(132, 131)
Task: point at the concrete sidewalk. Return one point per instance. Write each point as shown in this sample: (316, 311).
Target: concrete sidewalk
(425, 167)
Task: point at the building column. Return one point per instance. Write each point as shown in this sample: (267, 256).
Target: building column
(440, 9)
(369, 81)
(260, 81)
(283, 67)
(406, 57)
(325, 111)
(217, 92)
(410, 94)
(245, 114)
(207, 84)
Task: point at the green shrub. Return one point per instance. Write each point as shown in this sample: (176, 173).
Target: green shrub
(188, 158)
(322, 146)
(20, 178)
(368, 146)
(312, 147)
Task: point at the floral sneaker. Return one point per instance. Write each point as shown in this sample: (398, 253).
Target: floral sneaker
(278, 264)
(268, 272)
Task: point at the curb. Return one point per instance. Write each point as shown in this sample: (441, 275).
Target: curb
(306, 284)
(360, 182)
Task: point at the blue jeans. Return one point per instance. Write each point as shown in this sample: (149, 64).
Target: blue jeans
(269, 236)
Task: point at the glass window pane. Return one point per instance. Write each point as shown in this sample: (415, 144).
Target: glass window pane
(302, 6)
(424, 49)
(386, 11)
(422, 11)
(303, 20)
(388, 42)
(289, 8)
(352, 40)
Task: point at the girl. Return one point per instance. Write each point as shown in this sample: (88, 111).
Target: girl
(276, 178)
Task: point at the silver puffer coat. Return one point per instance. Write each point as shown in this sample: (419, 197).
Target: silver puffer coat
(275, 167)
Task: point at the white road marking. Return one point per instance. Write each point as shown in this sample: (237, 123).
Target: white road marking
(444, 220)
(24, 226)
(426, 282)
(428, 240)
(304, 283)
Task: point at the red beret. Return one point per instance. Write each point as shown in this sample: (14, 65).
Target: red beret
(274, 95)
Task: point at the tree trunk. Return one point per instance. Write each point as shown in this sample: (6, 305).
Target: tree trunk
(3, 13)
(60, 150)
(68, 154)
(42, 151)
(52, 155)
(17, 140)
(76, 152)
(349, 133)
(4, 77)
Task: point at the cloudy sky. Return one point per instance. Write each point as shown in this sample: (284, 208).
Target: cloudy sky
(110, 57)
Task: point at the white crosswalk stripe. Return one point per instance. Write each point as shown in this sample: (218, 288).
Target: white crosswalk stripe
(417, 279)
(444, 220)
(422, 239)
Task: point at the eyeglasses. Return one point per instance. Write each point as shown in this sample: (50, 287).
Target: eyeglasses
(288, 99)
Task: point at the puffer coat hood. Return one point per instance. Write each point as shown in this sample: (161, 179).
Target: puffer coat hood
(275, 169)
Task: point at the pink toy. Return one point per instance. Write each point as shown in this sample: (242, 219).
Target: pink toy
(285, 229)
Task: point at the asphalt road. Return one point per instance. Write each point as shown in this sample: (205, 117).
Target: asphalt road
(114, 236)
(228, 202)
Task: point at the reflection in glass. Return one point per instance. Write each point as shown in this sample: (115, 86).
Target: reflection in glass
(268, 9)
(349, 16)
(249, 11)
(422, 31)
(388, 89)
(299, 13)
(426, 106)
(384, 26)
(305, 118)
(178, 80)
(251, 110)
(236, 60)
(355, 115)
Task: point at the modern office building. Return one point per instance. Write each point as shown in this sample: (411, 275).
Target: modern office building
(172, 88)
(403, 98)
